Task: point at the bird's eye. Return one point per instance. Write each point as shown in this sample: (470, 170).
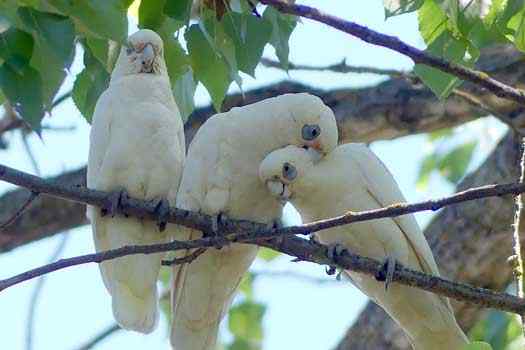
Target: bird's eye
(311, 132)
(289, 171)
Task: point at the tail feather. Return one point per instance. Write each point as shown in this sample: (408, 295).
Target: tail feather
(131, 280)
(203, 291)
(135, 313)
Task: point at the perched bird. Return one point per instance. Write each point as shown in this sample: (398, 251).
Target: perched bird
(352, 178)
(221, 178)
(137, 147)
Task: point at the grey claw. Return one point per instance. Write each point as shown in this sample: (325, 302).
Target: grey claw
(275, 224)
(115, 203)
(335, 250)
(386, 274)
(162, 209)
(330, 270)
(217, 221)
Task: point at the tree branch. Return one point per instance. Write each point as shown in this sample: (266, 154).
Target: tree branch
(395, 44)
(277, 239)
(519, 231)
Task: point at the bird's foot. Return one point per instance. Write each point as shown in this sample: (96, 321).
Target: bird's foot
(162, 211)
(217, 221)
(275, 224)
(115, 202)
(333, 253)
(386, 273)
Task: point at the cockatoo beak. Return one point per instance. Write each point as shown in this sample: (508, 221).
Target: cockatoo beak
(148, 57)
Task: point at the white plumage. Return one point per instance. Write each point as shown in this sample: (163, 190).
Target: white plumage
(220, 176)
(136, 144)
(352, 178)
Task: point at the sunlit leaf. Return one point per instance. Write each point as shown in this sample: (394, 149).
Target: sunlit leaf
(454, 164)
(267, 254)
(179, 10)
(209, 67)
(89, 84)
(449, 48)
(477, 346)
(245, 320)
(398, 7)
(184, 91)
(249, 34)
(427, 166)
(282, 27)
(246, 285)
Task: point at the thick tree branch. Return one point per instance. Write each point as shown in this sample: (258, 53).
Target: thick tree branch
(278, 239)
(393, 43)
(147, 210)
(519, 231)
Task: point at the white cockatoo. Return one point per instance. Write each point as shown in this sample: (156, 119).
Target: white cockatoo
(221, 177)
(352, 178)
(137, 147)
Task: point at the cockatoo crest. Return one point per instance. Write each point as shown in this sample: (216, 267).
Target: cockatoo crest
(284, 167)
(142, 54)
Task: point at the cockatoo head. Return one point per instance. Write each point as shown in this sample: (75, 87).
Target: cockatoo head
(284, 169)
(143, 53)
(313, 123)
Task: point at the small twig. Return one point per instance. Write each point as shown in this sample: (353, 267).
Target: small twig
(184, 260)
(341, 67)
(99, 337)
(38, 289)
(19, 212)
(519, 231)
(29, 153)
(419, 57)
(480, 105)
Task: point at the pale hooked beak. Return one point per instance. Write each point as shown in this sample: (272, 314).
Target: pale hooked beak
(148, 57)
(279, 189)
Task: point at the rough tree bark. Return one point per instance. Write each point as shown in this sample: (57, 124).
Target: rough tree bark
(471, 243)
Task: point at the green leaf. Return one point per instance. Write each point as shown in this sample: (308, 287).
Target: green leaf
(449, 48)
(519, 36)
(267, 254)
(432, 21)
(250, 35)
(151, 13)
(16, 47)
(454, 164)
(242, 344)
(398, 7)
(245, 320)
(427, 166)
(177, 61)
(89, 84)
(477, 345)
(440, 134)
(23, 89)
(183, 92)
(246, 285)
(102, 18)
(209, 67)
(282, 27)
(100, 49)
(53, 51)
(179, 10)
